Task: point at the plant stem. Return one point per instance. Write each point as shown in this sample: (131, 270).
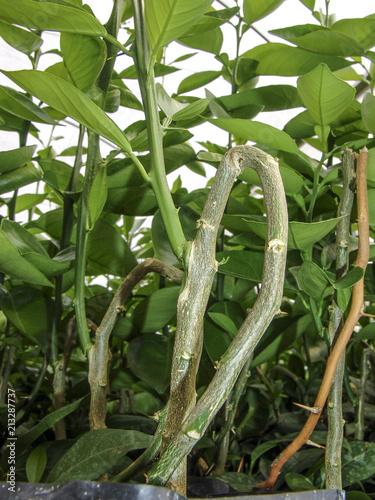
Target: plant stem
(346, 332)
(145, 70)
(252, 329)
(360, 407)
(99, 354)
(334, 402)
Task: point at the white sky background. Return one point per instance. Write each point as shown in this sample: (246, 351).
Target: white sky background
(291, 12)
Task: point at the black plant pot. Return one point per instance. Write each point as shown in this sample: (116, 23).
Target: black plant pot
(85, 490)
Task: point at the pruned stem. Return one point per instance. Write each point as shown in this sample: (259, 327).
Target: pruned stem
(334, 402)
(99, 354)
(252, 329)
(346, 332)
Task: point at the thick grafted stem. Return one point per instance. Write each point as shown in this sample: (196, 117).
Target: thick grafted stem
(334, 402)
(266, 306)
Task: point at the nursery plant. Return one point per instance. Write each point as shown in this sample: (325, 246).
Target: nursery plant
(150, 330)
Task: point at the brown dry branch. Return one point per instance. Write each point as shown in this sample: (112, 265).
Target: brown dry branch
(99, 354)
(355, 313)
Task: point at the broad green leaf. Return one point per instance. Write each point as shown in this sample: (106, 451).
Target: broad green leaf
(358, 464)
(310, 4)
(347, 281)
(51, 16)
(241, 264)
(371, 168)
(57, 174)
(150, 359)
(292, 181)
(224, 322)
(278, 337)
(258, 9)
(324, 95)
(356, 495)
(28, 200)
(365, 333)
(18, 104)
(108, 252)
(218, 335)
(197, 80)
(15, 158)
(98, 196)
(167, 20)
(211, 41)
(162, 247)
(30, 311)
(15, 265)
(258, 132)
(271, 97)
(95, 452)
(283, 60)
(320, 39)
(301, 234)
(298, 482)
(239, 481)
(84, 57)
(169, 105)
(24, 441)
(67, 99)
(191, 110)
(50, 222)
(20, 39)
(313, 280)
(10, 181)
(157, 310)
(35, 464)
(368, 112)
(362, 30)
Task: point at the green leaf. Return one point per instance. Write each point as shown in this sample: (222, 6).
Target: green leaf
(84, 57)
(258, 132)
(97, 196)
(312, 280)
(15, 158)
(298, 482)
(352, 277)
(167, 20)
(283, 60)
(24, 441)
(191, 110)
(10, 181)
(301, 234)
(197, 80)
(150, 359)
(166, 103)
(320, 39)
(278, 337)
(35, 464)
(271, 97)
(224, 322)
(30, 311)
(20, 39)
(108, 252)
(362, 30)
(15, 265)
(28, 201)
(258, 9)
(210, 41)
(358, 463)
(67, 99)
(365, 333)
(293, 182)
(324, 95)
(18, 104)
(219, 332)
(51, 16)
(241, 264)
(153, 313)
(50, 222)
(368, 112)
(95, 452)
(356, 495)
(31, 249)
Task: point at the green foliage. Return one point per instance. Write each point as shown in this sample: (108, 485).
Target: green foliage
(77, 220)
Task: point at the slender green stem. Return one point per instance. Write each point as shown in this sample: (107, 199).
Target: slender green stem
(81, 243)
(360, 407)
(144, 65)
